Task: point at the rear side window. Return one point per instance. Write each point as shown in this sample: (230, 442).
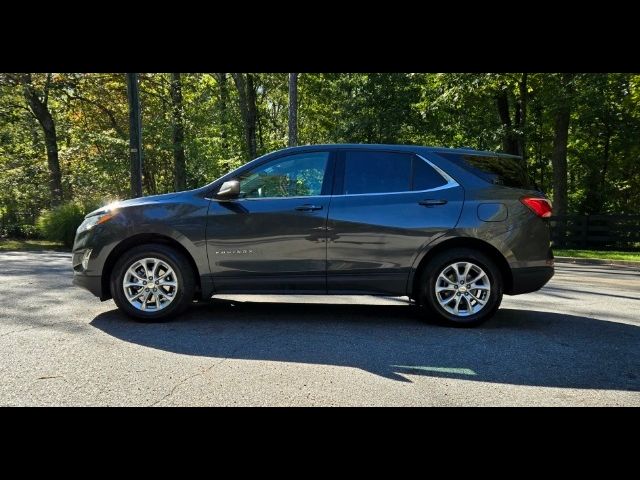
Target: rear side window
(506, 171)
(376, 172)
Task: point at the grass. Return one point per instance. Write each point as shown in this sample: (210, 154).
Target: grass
(9, 244)
(606, 255)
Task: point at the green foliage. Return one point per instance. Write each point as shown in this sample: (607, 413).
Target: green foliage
(60, 223)
(450, 109)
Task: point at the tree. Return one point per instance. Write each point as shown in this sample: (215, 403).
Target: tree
(562, 117)
(293, 109)
(247, 102)
(579, 133)
(179, 168)
(38, 102)
(513, 130)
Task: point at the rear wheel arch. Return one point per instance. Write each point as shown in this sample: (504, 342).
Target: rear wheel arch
(141, 239)
(465, 242)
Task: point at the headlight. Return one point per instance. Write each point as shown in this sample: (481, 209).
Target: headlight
(94, 220)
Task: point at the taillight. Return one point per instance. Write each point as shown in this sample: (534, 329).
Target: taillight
(540, 206)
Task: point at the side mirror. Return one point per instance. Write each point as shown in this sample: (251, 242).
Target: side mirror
(230, 189)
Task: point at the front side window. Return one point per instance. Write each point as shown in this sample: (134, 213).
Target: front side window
(298, 175)
(376, 172)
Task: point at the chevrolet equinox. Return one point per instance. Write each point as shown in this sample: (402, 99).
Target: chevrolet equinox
(452, 229)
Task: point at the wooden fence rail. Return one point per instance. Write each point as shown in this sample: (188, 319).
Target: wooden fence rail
(597, 232)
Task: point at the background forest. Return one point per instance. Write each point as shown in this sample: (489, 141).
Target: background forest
(64, 138)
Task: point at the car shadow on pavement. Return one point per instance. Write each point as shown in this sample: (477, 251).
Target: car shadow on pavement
(519, 347)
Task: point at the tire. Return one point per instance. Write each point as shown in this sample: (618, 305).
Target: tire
(169, 300)
(471, 311)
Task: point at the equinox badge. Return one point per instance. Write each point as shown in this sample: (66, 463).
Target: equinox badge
(233, 252)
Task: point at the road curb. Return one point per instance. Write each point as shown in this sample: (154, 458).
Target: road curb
(598, 261)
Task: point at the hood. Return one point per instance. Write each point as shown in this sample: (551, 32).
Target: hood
(151, 199)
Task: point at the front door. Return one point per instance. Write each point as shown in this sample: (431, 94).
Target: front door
(272, 238)
(387, 206)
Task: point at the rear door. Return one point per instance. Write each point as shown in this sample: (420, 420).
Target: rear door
(386, 206)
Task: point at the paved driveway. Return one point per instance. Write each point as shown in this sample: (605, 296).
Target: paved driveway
(576, 342)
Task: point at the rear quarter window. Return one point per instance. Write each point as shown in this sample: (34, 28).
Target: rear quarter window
(505, 171)
(425, 176)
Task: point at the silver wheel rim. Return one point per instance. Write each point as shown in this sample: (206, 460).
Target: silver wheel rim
(463, 289)
(150, 284)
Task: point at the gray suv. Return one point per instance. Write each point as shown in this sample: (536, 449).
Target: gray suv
(452, 229)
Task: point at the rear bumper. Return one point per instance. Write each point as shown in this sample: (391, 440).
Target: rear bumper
(530, 279)
(90, 282)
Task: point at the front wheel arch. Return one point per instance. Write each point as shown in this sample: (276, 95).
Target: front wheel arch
(142, 239)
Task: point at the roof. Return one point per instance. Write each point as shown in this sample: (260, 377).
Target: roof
(409, 148)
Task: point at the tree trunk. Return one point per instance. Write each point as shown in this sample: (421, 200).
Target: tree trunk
(39, 108)
(293, 109)
(509, 145)
(247, 101)
(560, 140)
(179, 162)
(559, 159)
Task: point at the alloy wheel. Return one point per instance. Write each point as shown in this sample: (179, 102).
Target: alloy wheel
(150, 284)
(462, 289)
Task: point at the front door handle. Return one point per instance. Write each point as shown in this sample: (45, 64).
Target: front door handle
(432, 203)
(308, 208)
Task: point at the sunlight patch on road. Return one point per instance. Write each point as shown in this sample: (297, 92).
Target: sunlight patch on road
(455, 371)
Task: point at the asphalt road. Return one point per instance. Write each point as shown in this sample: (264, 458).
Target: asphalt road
(576, 342)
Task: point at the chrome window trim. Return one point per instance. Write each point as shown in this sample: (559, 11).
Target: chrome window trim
(451, 183)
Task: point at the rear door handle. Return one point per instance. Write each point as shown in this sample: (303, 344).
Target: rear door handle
(431, 202)
(308, 208)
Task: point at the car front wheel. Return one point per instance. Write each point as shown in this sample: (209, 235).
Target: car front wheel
(152, 282)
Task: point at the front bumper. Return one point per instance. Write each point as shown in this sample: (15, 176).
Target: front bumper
(87, 275)
(90, 282)
(530, 279)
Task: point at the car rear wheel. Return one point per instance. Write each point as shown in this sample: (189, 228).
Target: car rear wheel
(461, 287)
(152, 282)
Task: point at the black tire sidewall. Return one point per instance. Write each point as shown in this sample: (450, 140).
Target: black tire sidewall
(442, 260)
(175, 260)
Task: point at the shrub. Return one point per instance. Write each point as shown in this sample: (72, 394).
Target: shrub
(29, 232)
(60, 224)
(20, 231)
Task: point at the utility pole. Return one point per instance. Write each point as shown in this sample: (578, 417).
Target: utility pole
(135, 135)
(293, 109)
